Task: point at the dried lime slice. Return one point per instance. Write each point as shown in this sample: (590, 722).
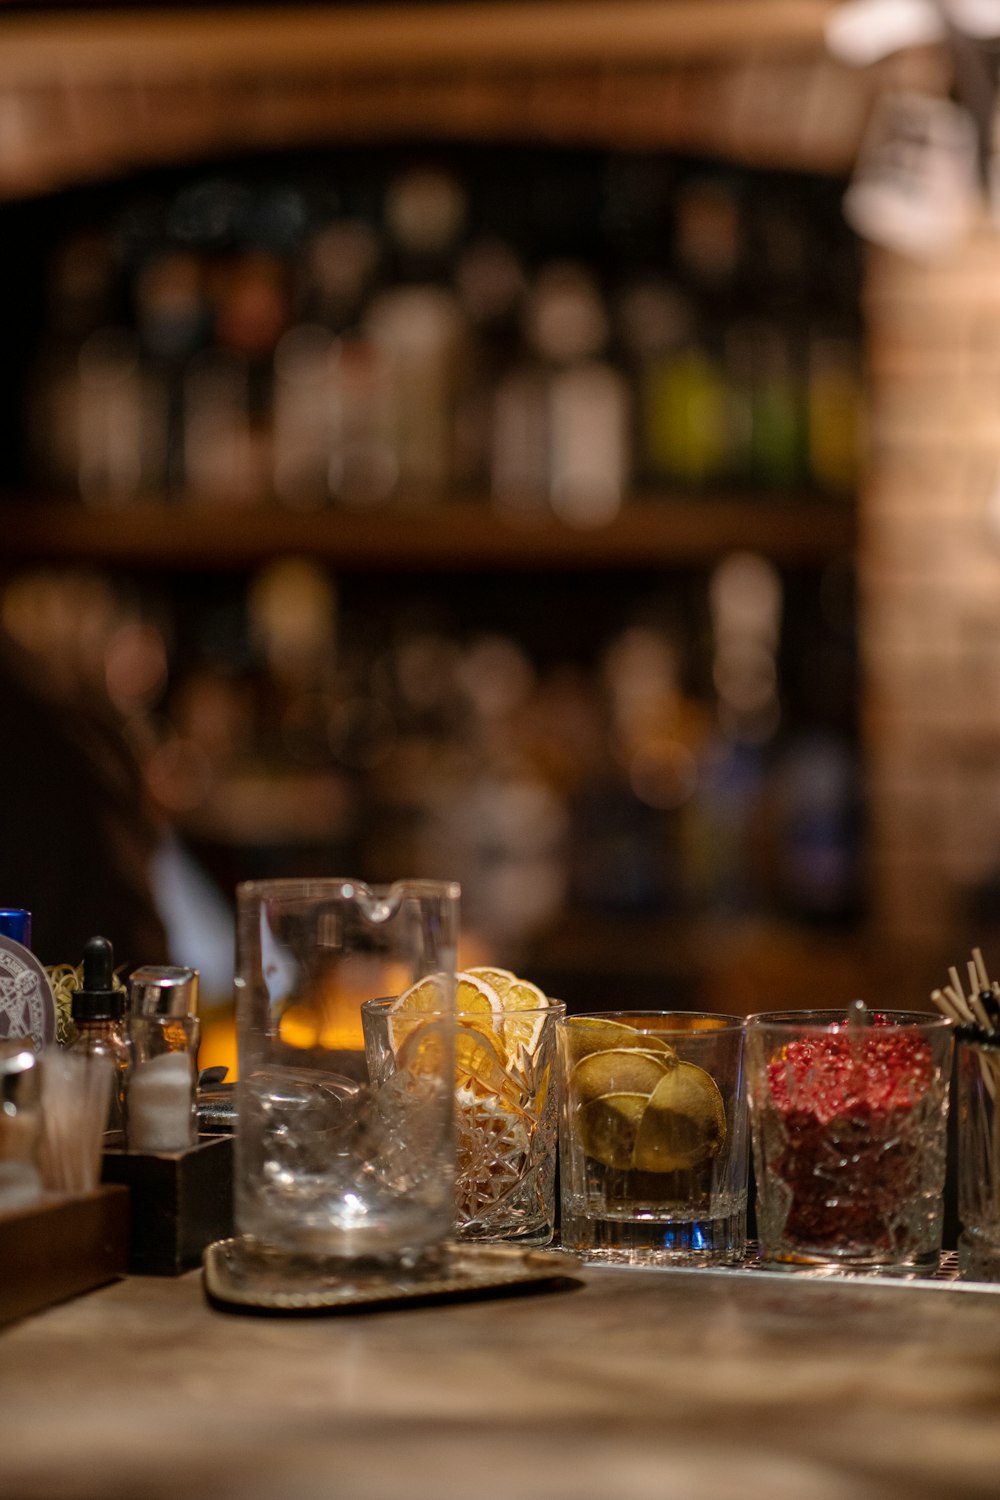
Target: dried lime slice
(617, 1070)
(607, 1128)
(684, 1123)
(587, 1034)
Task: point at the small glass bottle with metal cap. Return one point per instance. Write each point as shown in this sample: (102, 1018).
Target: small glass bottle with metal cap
(163, 990)
(98, 1007)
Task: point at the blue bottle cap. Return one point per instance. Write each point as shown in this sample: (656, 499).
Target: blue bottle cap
(15, 923)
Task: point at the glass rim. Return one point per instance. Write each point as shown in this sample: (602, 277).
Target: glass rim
(382, 1005)
(718, 1022)
(831, 1019)
(303, 888)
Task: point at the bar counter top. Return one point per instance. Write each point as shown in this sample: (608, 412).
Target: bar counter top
(620, 1383)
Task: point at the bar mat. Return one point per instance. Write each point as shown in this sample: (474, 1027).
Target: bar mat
(243, 1276)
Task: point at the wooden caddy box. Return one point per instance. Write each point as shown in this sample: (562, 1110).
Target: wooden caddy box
(179, 1203)
(65, 1244)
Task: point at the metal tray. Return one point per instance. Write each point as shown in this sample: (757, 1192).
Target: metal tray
(947, 1277)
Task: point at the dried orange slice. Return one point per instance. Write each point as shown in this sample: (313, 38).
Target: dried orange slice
(475, 1001)
(491, 974)
(587, 1034)
(608, 1128)
(684, 1123)
(518, 998)
(426, 998)
(494, 1131)
(524, 1007)
(617, 1070)
(424, 1048)
(479, 1064)
(492, 1152)
(478, 1058)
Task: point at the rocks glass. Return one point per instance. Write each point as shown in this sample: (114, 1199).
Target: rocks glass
(330, 1163)
(653, 1149)
(506, 1109)
(849, 1120)
(978, 1085)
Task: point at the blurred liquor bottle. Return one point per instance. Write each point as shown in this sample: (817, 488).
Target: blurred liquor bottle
(561, 439)
(333, 397)
(173, 322)
(492, 422)
(416, 325)
(835, 410)
(95, 417)
(687, 440)
(228, 388)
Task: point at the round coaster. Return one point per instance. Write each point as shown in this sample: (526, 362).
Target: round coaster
(239, 1273)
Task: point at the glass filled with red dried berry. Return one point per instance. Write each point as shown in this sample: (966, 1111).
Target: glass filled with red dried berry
(849, 1121)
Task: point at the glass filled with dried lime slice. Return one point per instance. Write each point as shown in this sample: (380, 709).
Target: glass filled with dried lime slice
(653, 1138)
(505, 1093)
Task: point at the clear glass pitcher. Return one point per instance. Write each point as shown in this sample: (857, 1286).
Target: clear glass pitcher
(328, 1162)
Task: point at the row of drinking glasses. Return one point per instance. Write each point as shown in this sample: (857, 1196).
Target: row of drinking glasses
(378, 1118)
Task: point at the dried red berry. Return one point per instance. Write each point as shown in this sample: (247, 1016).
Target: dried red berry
(843, 1100)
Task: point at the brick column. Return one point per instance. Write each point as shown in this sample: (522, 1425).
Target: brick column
(929, 568)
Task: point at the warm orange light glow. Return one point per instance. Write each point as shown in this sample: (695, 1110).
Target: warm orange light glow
(334, 1021)
(473, 953)
(218, 1043)
(298, 1027)
(331, 1017)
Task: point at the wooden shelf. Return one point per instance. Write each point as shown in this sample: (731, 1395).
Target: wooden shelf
(95, 95)
(453, 535)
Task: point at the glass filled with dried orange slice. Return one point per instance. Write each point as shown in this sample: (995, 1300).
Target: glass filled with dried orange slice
(503, 1044)
(653, 1137)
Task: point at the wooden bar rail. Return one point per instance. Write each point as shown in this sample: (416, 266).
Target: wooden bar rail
(182, 42)
(94, 94)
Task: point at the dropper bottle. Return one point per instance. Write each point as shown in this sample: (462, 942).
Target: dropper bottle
(97, 1008)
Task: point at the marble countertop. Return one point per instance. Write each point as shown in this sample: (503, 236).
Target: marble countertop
(625, 1384)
